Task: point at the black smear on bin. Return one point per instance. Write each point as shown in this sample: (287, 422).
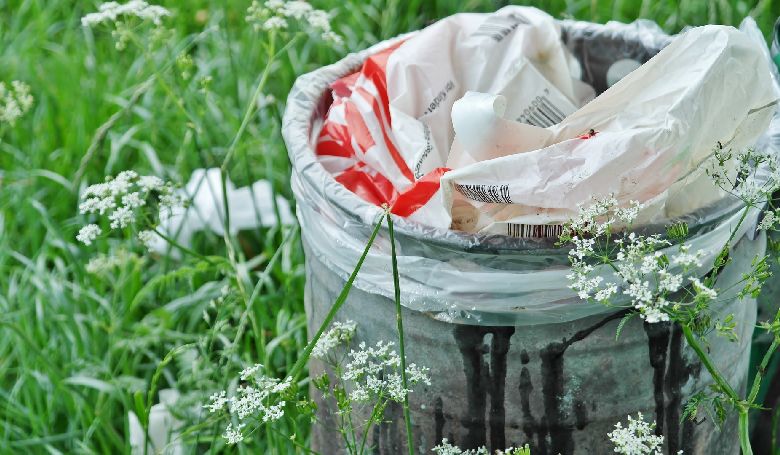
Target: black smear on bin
(658, 345)
(483, 379)
(439, 421)
(557, 427)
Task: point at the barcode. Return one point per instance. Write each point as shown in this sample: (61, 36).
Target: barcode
(542, 112)
(498, 27)
(534, 230)
(497, 194)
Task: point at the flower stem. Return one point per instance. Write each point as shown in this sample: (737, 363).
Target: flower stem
(342, 297)
(399, 320)
(713, 275)
(744, 432)
(707, 362)
(742, 406)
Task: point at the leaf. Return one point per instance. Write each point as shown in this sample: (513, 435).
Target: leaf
(92, 383)
(623, 321)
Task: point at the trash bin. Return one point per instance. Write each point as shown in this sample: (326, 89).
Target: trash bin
(515, 357)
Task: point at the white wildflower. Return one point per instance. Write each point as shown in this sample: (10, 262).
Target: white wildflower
(274, 23)
(342, 332)
(703, 290)
(150, 183)
(274, 5)
(147, 238)
(653, 314)
(640, 292)
(170, 200)
(259, 397)
(373, 372)
(296, 9)
(603, 295)
(15, 101)
(768, 222)
(319, 19)
(669, 282)
(233, 435)
(88, 234)
(217, 402)
(133, 200)
(110, 12)
(121, 217)
(629, 214)
(248, 372)
(686, 259)
(638, 438)
(332, 37)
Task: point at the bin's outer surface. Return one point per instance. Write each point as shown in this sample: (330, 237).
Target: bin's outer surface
(559, 387)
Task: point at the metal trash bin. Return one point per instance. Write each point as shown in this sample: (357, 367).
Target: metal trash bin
(515, 358)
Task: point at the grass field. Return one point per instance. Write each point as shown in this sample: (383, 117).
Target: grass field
(78, 350)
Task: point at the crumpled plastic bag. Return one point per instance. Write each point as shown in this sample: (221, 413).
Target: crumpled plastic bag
(164, 428)
(250, 207)
(480, 123)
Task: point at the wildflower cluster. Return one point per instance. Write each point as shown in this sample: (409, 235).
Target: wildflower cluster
(445, 448)
(751, 175)
(276, 15)
(123, 17)
(122, 201)
(15, 101)
(341, 333)
(374, 373)
(645, 275)
(769, 221)
(110, 12)
(259, 397)
(105, 263)
(638, 438)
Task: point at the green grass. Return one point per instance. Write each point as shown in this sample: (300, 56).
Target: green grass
(78, 350)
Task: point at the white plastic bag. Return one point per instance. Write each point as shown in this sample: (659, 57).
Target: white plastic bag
(655, 128)
(495, 101)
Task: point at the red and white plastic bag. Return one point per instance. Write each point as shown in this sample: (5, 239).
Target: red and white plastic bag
(479, 123)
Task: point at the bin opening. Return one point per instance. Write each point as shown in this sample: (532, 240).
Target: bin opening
(507, 123)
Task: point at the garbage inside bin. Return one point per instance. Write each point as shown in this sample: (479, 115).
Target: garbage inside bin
(489, 123)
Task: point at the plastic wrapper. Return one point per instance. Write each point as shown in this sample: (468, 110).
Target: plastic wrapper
(485, 279)
(492, 107)
(250, 207)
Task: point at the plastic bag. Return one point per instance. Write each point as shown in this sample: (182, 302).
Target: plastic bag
(523, 155)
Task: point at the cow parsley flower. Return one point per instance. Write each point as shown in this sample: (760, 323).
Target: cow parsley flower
(278, 15)
(768, 222)
(217, 402)
(123, 200)
(749, 175)
(88, 234)
(373, 373)
(259, 396)
(15, 101)
(445, 448)
(340, 333)
(110, 12)
(147, 238)
(638, 438)
(642, 272)
(233, 434)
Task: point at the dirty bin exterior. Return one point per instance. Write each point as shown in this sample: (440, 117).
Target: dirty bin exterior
(514, 358)
(558, 387)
